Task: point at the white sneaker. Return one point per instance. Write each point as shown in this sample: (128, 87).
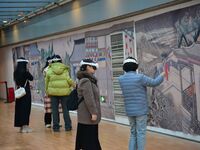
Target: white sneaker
(26, 129)
(48, 125)
(20, 129)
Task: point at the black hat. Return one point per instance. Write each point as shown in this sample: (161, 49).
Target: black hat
(56, 58)
(130, 64)
(130, 60)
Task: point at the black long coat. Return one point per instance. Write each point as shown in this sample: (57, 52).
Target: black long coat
(23, 105)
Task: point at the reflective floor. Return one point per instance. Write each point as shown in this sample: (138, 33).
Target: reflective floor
(112, 136)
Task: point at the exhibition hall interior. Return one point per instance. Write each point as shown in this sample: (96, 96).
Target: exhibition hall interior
(161, 36)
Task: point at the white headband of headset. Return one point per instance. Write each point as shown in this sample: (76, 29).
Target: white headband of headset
(55, 59)
(130, 60)
(50, 60)
(88, 63)
(22, 60)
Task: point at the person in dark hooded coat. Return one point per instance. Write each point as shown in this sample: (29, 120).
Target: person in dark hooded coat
(23, 105)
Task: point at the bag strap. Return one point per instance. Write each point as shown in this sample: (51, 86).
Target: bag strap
(82, 98)
(25, 83)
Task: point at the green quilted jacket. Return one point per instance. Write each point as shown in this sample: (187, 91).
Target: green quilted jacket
(57, 80)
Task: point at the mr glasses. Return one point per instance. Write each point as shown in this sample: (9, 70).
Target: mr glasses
(95, 68)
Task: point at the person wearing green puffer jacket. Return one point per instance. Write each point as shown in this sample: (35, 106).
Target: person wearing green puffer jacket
(58, 86)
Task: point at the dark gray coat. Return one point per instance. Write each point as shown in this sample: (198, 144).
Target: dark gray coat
(87, 88)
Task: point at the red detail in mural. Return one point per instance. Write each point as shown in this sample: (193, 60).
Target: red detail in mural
(166, 71)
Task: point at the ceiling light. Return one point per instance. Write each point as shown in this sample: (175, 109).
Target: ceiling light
(5, 21)
(21, 14)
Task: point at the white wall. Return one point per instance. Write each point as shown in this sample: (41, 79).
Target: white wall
(6, 69)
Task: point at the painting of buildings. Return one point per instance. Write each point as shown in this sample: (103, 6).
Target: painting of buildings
(172, 45)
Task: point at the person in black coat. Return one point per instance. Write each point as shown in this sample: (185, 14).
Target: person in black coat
(23, 105)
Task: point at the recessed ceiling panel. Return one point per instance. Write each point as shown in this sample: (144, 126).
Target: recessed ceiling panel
(11, 10)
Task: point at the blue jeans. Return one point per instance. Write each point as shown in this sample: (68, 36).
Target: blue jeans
(138, 132)
(55, 112)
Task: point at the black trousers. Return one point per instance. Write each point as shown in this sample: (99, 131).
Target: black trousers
(47, 118)
(87, 137)
(22, 110)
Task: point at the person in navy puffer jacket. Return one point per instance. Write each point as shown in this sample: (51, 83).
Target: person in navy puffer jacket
(134, 89)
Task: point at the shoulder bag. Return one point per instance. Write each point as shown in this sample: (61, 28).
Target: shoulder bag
(20, 92)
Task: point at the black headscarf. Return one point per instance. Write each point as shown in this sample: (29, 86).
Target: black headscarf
(21, 69)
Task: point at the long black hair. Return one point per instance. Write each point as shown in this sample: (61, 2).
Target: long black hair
(130, 66)
(21, 69)
(47, 62)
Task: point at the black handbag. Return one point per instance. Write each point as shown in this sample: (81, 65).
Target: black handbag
(73, 100)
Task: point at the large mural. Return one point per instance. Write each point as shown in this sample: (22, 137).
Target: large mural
(94, 44)
(170, 42)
